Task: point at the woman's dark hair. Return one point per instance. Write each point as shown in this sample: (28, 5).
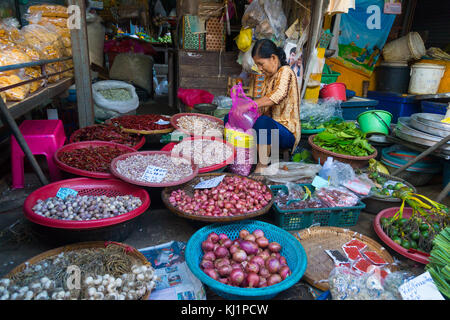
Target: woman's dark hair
(265, 48)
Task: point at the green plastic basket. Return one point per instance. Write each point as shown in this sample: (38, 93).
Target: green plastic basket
(329, 76)
(304, 218)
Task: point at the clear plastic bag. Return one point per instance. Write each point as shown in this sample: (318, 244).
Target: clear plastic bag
(315, 114)
(223, 102)
(49, 10)
(337, 197)
(267, 18)
(336, 172)
(347, 284)
(284, 172)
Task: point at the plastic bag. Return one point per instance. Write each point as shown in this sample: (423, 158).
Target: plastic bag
(191, 97)
(336, 172)
(162, 88)
(223, 102)
(9, 31)
(277, 18)
(49, 10)
(238, 119)
(245, 59)
(284, 172)
(244, 39)
(337, 197)
(118, 106)
(347, 284)
(267, 18)
(315, 114)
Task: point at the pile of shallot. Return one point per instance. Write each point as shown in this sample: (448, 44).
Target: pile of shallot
(235, 195)
(250, 261)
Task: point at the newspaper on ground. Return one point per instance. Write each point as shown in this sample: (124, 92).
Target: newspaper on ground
(176, 282)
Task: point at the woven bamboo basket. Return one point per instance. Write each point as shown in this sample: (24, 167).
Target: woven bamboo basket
(143, 132)
(189, 189)
(317, 239)
(322, 154)
(132, 252)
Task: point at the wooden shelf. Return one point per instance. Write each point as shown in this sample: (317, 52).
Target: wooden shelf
(19, 108)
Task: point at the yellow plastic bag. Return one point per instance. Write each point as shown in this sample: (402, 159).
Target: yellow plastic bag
(244, 39)
(17, 93)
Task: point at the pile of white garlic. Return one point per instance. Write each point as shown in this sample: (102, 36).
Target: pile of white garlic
(129, 286)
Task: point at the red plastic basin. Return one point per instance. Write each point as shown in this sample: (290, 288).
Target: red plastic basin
(334, 90)
(387, 213)
(86, 186)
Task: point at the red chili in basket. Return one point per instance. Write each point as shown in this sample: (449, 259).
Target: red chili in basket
(95, 159)
(141, 122)
(106, 133)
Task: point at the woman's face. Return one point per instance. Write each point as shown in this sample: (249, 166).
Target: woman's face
(268, 66)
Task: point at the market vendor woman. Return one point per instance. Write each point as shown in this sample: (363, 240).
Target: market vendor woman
(279, 104)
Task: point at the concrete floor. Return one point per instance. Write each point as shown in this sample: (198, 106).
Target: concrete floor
(158, 225)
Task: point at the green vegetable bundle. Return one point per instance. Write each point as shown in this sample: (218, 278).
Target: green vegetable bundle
(344, 138)
(439, 266)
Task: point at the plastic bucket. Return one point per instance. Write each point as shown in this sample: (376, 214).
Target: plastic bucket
(425, 78)
(375, 121)
(393, 77)
(405, 48)
(334, 90)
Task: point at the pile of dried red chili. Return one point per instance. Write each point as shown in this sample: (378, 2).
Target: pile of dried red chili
(106, 133)
(94, 159)
(146, 122)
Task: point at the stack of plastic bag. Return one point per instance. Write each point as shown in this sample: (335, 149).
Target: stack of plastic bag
(54, 18)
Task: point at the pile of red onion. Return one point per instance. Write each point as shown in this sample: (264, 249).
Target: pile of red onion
(235, 195)
(250, 261)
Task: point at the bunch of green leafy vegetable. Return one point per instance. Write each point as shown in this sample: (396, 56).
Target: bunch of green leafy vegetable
(319, 124)
(344, 138)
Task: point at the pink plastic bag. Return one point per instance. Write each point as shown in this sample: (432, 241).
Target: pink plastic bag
(237, 118)
(242, 122)
(191, 97)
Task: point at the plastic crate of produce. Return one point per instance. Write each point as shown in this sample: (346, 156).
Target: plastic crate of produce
(303, 218)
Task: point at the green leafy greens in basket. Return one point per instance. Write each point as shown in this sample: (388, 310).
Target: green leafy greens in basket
(344, 138)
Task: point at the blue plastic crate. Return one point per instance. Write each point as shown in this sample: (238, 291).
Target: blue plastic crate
(304, 218)
(291, 249)
(397, 104)
(434, 107)
(355, 106)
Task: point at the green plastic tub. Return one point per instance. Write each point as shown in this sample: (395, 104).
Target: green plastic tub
(375, 121)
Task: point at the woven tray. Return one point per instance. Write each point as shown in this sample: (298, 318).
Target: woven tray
(139, 144)
(317, 239)
(132, 252)
(188, 188)
(144, 132)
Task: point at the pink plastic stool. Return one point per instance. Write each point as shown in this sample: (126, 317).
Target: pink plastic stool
(43, 137)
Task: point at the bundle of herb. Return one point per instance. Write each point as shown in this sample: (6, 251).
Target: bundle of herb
(344, 138)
